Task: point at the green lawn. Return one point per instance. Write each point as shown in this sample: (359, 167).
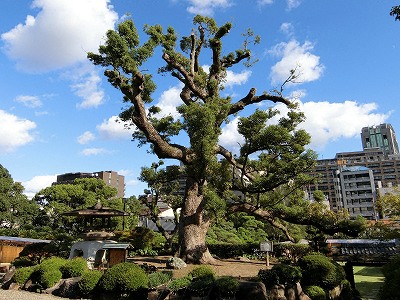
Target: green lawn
(368, 281)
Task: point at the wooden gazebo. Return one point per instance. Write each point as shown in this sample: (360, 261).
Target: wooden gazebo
(97, 211)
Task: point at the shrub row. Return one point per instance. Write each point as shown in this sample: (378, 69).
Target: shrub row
(317, 274)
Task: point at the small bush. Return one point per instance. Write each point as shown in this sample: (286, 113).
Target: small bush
(74, 267)
(315, 292)
(48, 272)
(88, 282)
(268, 277)
(227, 286)
(178, 284)
(21, 275)
(280, 274)
(321, 271)
(123, 278)
(201, 286)
(49, 278)
(158, 278)
(202, 273)
(53, 263)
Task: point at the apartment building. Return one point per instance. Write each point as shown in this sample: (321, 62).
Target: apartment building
(380, 156)
(355, 188)
(110, 178)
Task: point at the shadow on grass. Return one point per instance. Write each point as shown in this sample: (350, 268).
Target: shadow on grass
(368, 290)
(368, 281)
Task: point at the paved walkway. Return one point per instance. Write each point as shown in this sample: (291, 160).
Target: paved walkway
(23, 295)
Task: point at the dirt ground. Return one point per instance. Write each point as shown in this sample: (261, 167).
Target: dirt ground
(240, 268)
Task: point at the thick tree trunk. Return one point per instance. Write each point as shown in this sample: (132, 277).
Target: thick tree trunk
(193, 228)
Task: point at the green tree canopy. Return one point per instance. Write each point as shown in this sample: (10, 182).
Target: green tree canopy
(389, 204)
(16, 210)
(163, 187)
(82, 193)
(395, 12)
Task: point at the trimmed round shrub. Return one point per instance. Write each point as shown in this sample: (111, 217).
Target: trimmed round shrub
(280, 274)
(53, 263)
(74, 267)
(202, 273)
(200, 287)
(88, 282)
(48, 273)
(158, 278)
(124, 278)
(321, 271)
(48, 278)
(21, 275)
(315, 292)
(178, 284)
(227, 286)
(268, 277)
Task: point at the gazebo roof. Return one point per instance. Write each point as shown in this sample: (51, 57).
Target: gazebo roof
(97, 210)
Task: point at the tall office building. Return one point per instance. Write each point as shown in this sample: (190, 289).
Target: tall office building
(381, 136)
(110, 178)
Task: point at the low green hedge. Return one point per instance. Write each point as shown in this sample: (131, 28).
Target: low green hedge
(88, 282)
(315, 292)
(280, 274)
(74, 267)
(178, 284)
(227, 286)
(158, 278)
(124, 278)
(202, 273)
(48, 273)
(322, 271)
(21, 275)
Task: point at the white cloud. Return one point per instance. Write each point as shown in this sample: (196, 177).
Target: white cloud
(207, 7)
(60, 34)
(296, 56)
(94, 151)
(37, 183)
(264, 2)
(327, 122)
(290, 3)
(86, 137)
(293, 4)
(287, 28)
(124, 172)
(230, 138)
(114, 128)
(88, 88)
(29, 101)
(169, 101)
(14, 132)
(237, 78)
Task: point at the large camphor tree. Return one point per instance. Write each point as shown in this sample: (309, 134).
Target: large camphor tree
(272, 157)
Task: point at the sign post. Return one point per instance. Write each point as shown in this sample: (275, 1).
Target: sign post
(267, 247)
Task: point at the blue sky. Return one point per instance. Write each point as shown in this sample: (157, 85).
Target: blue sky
(57, 111)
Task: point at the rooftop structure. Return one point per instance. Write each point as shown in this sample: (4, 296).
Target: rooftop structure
(382, 137)
(110, 178)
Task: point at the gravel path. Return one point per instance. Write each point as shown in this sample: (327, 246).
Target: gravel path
(23, 295)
